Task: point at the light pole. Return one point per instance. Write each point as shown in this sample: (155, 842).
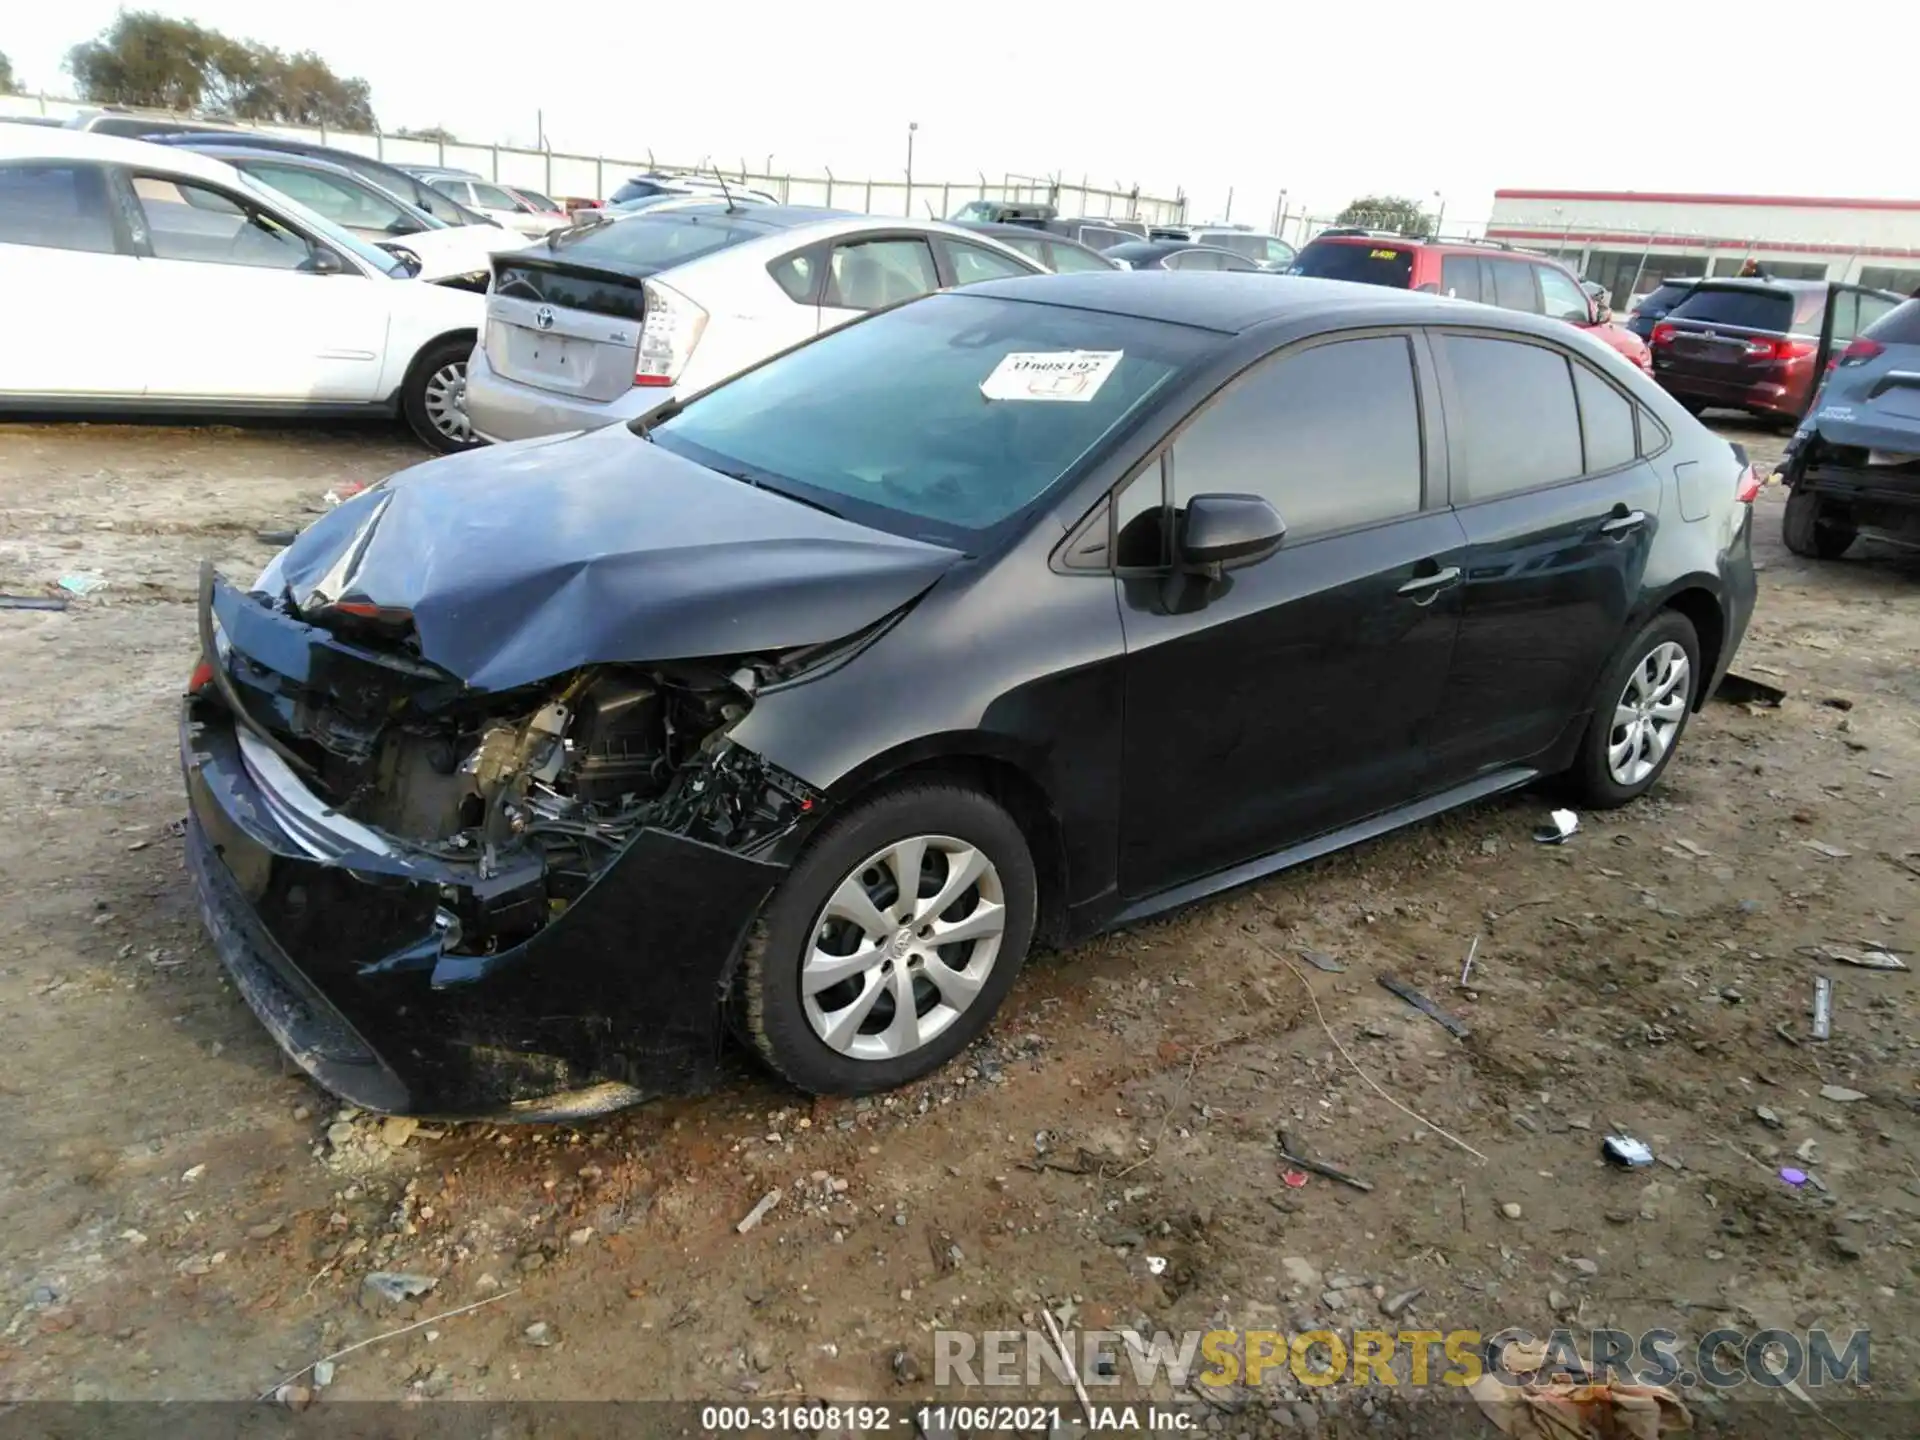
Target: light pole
(1440, 216)
(912, 125)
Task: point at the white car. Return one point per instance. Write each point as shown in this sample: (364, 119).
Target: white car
(607, 322)
(496, 202)
(142, 277)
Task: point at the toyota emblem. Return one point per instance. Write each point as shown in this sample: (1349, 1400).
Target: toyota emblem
(543, 318)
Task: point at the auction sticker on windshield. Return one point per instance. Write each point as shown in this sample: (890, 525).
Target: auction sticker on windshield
(1050, 375)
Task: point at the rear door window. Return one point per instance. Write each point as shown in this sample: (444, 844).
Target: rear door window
(1513, 287)
(56, 207)
(871, 274)
(1460, 276)
(974, 263)
(1367, 262)
(1069, 259)
(1740, 306)
(1518, 426)
(1563, 299)
(1328, 435)
(336, 199)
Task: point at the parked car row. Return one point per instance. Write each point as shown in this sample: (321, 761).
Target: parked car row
(1487, 272)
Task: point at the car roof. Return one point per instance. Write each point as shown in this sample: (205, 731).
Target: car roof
(291, 158)
(1761, 284)
(1162, 246)
(765, 217)
(43, 143)
(1234, 301)
(998, 228)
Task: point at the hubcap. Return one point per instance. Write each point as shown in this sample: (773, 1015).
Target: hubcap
(1648, 714)
(902, 947)
(446, 401)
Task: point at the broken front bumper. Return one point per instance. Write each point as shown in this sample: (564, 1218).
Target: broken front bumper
(345, 956)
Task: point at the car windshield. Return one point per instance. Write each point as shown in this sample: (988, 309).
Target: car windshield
(1741, 306)
(648, 241)
(343, 240)
(1369, 262)
(977, 210)
(943, 419)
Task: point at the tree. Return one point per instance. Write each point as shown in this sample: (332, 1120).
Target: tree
(8, 85)
(439, 133)
(151, 61)
(1387, 212)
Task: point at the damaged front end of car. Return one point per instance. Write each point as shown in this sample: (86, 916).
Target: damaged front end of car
(456, 901)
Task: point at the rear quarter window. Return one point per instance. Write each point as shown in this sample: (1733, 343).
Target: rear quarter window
(1368, 262)
(1749, 309)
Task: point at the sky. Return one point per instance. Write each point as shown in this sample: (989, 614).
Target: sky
(1230, 103)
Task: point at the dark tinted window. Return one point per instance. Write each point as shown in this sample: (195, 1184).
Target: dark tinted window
(1517, 426)
(895, 422)
(1606, 419)
(646, 243)
(1738, 305)
(1368, 262)
(1329, 435)
(58, 207)
(1900, 326)
(1513, 286)
(1460, 276)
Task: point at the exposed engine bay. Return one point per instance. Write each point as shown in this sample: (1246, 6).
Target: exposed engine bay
(533, 792)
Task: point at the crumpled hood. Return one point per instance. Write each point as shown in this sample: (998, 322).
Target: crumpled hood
(521, 561)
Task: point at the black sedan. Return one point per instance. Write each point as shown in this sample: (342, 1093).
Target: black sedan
(990, 621)
(1177, 255)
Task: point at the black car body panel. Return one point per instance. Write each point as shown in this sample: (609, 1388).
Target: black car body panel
(542, 558)
(1160, 734)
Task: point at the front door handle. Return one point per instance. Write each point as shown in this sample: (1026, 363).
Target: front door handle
(1621, 524)
(1427, 584)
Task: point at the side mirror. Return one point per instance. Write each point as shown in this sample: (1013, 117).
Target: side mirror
(322, 261)
(1226, 532)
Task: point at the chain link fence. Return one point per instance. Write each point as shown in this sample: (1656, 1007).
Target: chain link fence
(596, 177)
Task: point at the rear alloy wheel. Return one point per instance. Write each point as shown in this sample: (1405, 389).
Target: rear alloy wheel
(1808, 529)
(1643, 705)
(892, 942)
(434, 398)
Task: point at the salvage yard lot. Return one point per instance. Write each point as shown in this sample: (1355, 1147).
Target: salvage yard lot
(186, 1219)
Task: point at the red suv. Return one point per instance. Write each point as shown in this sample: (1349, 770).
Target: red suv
(1491, 273)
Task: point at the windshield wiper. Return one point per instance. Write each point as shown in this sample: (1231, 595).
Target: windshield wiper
(746, 479)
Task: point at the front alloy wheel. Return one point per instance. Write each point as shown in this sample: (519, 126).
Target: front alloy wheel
(903, 947)
(445, 400)
(891, 942)
(1647, 717)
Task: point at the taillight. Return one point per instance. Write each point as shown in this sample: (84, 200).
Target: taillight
(1763, 347)
(672, 327)
(1663, 334)
(1748, 488)
(201, 678)
(1861, 351)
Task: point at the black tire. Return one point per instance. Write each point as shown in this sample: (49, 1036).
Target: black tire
(419, 404)
(1692, 407)
(1591, 779)
(1808, 527)
(769, 998)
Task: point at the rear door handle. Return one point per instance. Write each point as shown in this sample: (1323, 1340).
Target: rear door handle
(1621, 524)
(1426, 584)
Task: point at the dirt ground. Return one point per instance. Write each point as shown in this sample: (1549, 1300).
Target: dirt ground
(186, 1219)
